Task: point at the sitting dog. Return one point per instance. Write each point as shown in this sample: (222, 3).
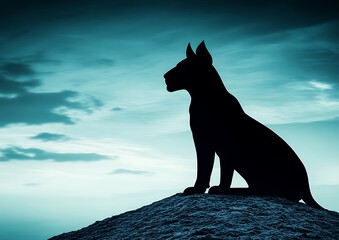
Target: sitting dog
(220, 126)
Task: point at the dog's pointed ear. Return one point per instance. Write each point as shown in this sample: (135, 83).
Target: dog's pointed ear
(203, 53)
(189, 51)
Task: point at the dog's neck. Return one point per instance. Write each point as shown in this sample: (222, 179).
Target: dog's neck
(209, 88)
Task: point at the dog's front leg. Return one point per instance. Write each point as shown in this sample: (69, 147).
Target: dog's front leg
(205, 159)
(226, 175)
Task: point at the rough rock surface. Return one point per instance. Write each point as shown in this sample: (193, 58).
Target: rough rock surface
(216, 217)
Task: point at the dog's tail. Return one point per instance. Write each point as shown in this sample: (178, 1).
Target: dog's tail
(308, 198)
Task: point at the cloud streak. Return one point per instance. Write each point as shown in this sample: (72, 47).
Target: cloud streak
(20, 104)
(47, 137)
(39, 108)
(320, 85)
(17, 69)
(129, 171)
(35, 154)
(9, 86)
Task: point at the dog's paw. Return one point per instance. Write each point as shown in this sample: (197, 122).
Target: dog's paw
(216, 190)
(194, 190)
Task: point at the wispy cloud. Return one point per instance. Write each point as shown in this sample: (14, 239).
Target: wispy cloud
(46, 137)
(300, 101)
(129, 171)
(39, 108)
(35, 154)
(17, 69)
(31, 184)
(117, 109)
(9, 86)
(321, 85)
(20, 104)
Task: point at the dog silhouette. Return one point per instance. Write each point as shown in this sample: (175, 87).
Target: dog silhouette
(220, 126)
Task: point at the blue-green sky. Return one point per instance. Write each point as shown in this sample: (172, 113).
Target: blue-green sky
(88, 129)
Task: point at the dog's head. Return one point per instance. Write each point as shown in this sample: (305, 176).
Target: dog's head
(186, 74)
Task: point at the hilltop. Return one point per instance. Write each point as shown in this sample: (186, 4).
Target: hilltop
(215, 217)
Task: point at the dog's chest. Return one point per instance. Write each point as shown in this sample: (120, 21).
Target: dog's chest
(212, 119)
(203, 119)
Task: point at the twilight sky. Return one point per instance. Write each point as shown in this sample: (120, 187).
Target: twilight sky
(88, 129)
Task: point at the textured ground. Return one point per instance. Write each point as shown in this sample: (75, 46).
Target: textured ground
(216, 217)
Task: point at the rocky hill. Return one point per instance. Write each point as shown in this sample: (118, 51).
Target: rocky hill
(215, 217)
